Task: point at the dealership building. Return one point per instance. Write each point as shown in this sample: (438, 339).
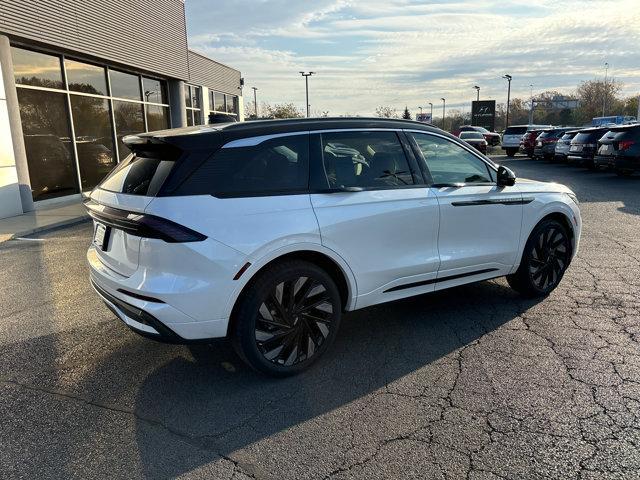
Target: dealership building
(78, 75)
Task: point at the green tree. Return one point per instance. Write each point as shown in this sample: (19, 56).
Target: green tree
(406, 114)
(593, 94)
(281, 110)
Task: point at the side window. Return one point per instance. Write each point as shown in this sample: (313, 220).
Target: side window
(276, 166)
(365, 159)
(450, 163)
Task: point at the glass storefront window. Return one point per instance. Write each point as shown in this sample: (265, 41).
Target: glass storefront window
(38, 69)
(129, 120)
(197, 117)
(195, 97)
(154, 91)
(232, 102)
(47, 139)
(187, 96)
(94, 141)
(125, 85)
(85, 78)
(189, 118)
(219, 102)
(157, 117)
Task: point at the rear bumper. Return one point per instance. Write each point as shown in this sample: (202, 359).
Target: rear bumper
(145, 314)
(603, 161)
(626, 163)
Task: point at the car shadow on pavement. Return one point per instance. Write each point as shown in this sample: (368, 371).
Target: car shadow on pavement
(213, 402)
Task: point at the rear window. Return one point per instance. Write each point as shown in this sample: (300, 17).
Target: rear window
(276, 166)
(545, 135)
(568, 136)
(584, 137)
(515, 130)
(138, 175)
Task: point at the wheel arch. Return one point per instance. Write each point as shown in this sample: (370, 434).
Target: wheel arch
(335, 266)
(560, 216)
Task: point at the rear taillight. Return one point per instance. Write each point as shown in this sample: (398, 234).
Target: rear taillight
(142, 224)
(625, 144)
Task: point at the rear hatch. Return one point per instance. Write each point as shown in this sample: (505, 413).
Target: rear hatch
(118, 203)
(584, 144)
(513, 135)
(606, 144)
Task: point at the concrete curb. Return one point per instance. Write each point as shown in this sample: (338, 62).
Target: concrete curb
(67, 222)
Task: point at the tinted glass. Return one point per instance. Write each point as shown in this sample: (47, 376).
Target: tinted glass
(33, 68)
(584, 137)
(450, 163)
(47, 139)
(365, 159)
(218, 99)
(94, 140)
(545, 135)
(187, 95)
(154, 90)
(125, 85)
(189, 118)
(476, 135)
(139, 176)
(129, 120)
(197, 117)
(86, 78)
(276, 166)
(515, 130)
(195, 97)
(232, 104)
(157, 117)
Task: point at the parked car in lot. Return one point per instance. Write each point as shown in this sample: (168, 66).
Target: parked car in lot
(545, 144)
(563, 144)
(603, 159)
(584, 146)
(528, 143)
(475, 139)
(492, 138)
(621, 148)
(266, 232)
(512, 137)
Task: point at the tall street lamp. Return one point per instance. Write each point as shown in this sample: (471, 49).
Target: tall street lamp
(478, 91)
(604, 96)
(255, 101)
(508, 77)
(431, 105)
(420, 110)
(306, 76)
(443, 106)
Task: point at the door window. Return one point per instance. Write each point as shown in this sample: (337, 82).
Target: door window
(370, 160)
(448, 162)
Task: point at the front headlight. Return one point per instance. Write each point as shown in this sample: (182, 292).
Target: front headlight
(573, 197)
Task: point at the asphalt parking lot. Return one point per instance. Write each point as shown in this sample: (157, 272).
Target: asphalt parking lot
(470, 383)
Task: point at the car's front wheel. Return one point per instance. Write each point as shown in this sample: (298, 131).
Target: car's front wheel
(545, 258)
(511, 152)
(287, 318)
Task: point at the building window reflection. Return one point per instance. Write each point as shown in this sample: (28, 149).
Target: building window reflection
(100, 99)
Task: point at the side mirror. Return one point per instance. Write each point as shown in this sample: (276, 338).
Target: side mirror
(506, 177)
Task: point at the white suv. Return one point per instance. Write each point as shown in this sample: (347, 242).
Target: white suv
(267, 232)
(512, 136)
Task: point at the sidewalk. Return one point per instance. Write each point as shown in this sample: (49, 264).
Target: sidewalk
(42, 220)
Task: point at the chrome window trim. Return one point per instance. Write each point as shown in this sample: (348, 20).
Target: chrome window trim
(464, 147)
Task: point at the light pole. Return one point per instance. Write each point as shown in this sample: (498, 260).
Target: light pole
(431, 105)
(255, 101)
(478, 91)
(508, 77)
(531, 105)
(420, 110)
(604, 93)
(306, 82)
(443, 105)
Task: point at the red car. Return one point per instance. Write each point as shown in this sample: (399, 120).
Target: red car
(528, 142)
(475, 139)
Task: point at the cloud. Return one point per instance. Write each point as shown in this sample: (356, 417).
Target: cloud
(405, 52)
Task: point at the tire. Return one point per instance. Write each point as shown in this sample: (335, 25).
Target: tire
(545, 258)
(287, 318)
(623, 173)
(511, 152)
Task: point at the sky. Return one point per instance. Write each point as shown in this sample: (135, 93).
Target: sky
(407, 53)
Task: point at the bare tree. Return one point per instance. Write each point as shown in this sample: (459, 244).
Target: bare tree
(386, 112)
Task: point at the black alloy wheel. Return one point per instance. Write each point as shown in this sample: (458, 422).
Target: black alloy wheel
(294, 321)
(545, 259)
(287, 318)
(549, 258)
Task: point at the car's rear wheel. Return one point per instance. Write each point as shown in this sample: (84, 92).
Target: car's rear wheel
(287, 318)
(545, 258)
(511, 152)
